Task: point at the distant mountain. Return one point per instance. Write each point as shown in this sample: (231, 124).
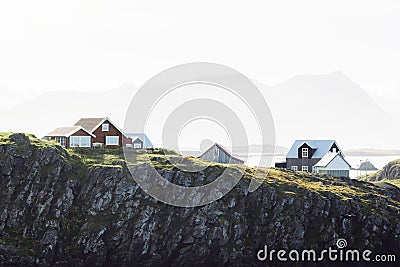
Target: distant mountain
(389, 101)
(370, 152)
(329, 106)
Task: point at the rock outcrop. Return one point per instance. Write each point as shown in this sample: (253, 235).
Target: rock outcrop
(57, 211)
(390, 171)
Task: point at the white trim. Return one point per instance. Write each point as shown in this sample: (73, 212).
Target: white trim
(62, 140)
(304, 168)
(216, 152)
(105, 129)
(112, 137)
(304, 149)
(294, 168)
(137, 146)
(80, 141)
(81, 128)
(136, 138)
(77, 128)
(113, 124)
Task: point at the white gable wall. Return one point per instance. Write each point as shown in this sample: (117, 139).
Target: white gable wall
(338, 163)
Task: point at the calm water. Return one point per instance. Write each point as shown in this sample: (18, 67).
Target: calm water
(378, 161)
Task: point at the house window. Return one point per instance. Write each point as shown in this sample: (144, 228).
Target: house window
(79, 141)
(112, 140)
(334, 150)
(304, 168)
(61, 140)
(314, 169)
(105, 127)
(137, 146)
(304, 152)
(216, 152)
(294, 168)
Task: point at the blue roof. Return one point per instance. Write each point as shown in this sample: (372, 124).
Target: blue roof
(322, 147)
(146, 141)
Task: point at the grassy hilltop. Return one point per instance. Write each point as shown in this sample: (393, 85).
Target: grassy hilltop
(82, 207)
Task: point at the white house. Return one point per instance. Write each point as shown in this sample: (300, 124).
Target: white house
(334, 165)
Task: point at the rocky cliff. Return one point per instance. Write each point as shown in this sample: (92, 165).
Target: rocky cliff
(390, 171)
(58, 210)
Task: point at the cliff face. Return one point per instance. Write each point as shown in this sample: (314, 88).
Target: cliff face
(56, 211)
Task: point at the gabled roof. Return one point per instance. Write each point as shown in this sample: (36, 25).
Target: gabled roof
(142, 136)
(91, 124)
(223, 149)
(67, 131)
(322, 147)
(134, 138)
(324, 162)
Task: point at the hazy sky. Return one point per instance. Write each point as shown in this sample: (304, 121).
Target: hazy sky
(91, 45)
(101, 45)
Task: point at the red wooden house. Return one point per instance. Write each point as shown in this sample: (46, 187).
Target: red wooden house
(90, 132)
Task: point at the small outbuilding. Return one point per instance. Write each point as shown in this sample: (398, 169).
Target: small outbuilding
(334, 165)
(218, 153)
(140, 138)
(137, 143)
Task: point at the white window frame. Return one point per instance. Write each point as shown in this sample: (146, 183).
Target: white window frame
(294, 168)
(137, 146)
(304, 168)
(105, 127)
(61, 140)
(314, 169)
(80, 142)
(216, 152)
(112, 140)
(304, 152)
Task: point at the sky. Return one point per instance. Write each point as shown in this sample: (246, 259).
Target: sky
(100, 45)
(92, 45)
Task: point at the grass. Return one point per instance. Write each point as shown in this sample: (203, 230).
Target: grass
(116, 157)
(105, 157)
(395, 182)
(287, 183)
(391, 169)
(35, 142)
